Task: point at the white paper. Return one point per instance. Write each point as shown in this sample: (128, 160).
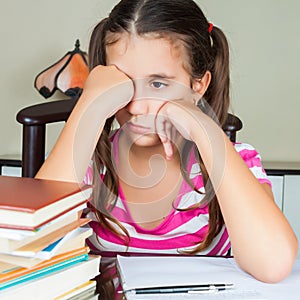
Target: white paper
(151, 271)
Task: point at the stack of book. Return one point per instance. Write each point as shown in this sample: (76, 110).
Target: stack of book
(42, 240)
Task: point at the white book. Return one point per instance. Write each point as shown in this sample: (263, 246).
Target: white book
(21, 234)
(140, 272)
(84, 291)
(53, 285)
(76, 235)
(16, 238)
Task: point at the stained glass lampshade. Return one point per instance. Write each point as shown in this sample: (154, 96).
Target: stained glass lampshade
(67, 75)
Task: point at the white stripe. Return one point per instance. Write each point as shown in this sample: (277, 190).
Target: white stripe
(243, 146)
(258, 172)
(192, 226)
(120, 204)
(224, 246)
(195, 171)
(190, 198)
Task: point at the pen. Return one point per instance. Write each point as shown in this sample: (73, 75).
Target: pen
(190, 289)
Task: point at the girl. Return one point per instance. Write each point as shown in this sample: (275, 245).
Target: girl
(168, 180)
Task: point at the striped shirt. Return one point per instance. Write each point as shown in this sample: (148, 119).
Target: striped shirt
(180, 230)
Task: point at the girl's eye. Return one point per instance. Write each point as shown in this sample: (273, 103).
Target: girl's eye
(158, 84)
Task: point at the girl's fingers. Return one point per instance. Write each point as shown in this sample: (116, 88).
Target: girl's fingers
(160, 129)
(168, 130)
(168, 147)
(167, 139)
(164, 130)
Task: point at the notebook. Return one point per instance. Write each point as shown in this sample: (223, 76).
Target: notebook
(140, 272)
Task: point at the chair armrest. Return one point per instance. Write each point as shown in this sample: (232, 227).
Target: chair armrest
(44, 113)
(34, 119)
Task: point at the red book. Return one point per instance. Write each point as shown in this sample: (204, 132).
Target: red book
(28, 203)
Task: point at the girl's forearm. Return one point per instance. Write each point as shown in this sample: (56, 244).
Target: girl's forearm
(263, 242)
(106, 91)
(70, 156)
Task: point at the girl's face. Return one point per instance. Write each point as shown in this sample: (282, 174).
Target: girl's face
(157, 68)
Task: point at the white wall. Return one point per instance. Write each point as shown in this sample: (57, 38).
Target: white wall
(265, 48)
(264, 42)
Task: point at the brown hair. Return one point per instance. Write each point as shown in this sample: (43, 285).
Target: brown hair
(207, 51)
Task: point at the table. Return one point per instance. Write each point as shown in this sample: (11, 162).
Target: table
(9, 160)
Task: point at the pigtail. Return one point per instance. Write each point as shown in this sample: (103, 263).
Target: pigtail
(105, 190)
(217, 94)
(96, 51)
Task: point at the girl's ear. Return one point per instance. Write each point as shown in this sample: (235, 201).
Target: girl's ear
(200, 85)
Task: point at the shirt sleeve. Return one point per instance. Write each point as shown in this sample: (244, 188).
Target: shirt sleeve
(253, 160)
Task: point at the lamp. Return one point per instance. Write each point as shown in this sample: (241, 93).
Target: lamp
(67, 75)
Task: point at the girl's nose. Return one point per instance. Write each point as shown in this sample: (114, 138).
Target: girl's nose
(139, 104)
(137, 107)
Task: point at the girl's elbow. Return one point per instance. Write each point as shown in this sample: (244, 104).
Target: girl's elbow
(278, 267)
(277, 272)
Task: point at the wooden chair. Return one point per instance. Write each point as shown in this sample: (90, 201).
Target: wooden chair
(35, 118)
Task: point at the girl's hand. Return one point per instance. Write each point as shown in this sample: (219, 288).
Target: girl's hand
(174, 118)
(108, 81)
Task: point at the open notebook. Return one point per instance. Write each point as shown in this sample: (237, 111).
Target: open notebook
(138, 272)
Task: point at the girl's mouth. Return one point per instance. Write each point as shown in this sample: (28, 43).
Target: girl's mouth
(138, 129)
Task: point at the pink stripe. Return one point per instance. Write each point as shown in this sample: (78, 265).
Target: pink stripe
(168, 244)
(253, 162)
(223, 252)
(198, 182)
(173, 220)
(88, 176)
(105, 234)
(265, 180)
(248, 154)
(171, 243)
(220, 244)
(227, 248)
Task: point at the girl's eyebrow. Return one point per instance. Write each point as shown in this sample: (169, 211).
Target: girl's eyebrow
(161, 76)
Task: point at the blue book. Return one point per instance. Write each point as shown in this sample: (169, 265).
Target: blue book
(44, 271)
